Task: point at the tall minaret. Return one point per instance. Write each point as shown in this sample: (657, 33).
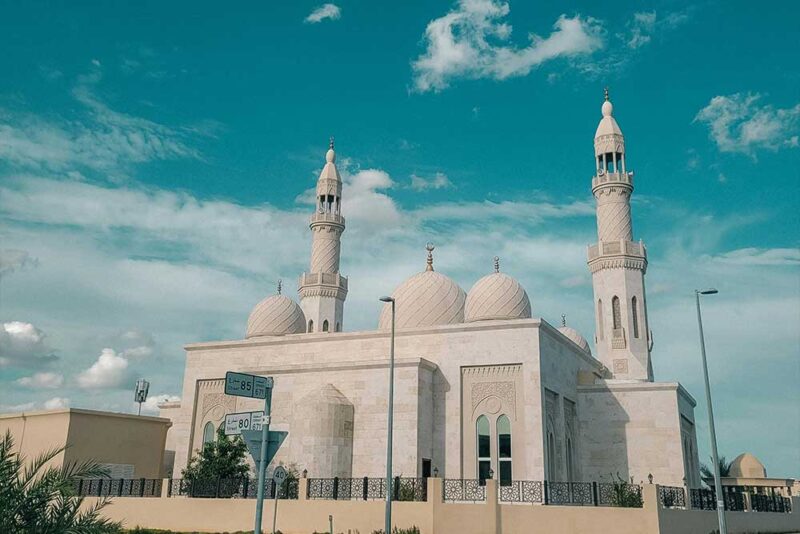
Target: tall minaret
(322, 289)
(617, 263)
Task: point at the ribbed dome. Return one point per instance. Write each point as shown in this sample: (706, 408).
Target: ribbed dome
(575, 337)
(426, 299)
(747, 466)
(497, 296)
(277, 315)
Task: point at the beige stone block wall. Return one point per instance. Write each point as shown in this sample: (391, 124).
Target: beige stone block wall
(108, 438)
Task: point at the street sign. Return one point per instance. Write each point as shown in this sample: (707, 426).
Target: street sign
(244, 385)
(253, 440)
(279, 475)
(236, 422)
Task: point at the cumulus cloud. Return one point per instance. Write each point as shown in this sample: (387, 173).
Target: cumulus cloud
(472, 41)
(437, 181)
(151, 404)
(645, 24)
(56, 403)
(740, 123)
(324, 12)
(42, 380)
(109, 371)
(24, 345)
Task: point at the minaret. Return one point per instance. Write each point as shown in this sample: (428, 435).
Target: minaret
(323, 290)
(617, 263)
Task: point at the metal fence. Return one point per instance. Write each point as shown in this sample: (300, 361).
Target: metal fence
(621, 494)
(770, 503)
(365, 488)
(672, 496)
(463, 490)
(231, 488)
(118, 487)
(530, 491)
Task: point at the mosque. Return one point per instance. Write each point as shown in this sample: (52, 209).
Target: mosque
(482, 385)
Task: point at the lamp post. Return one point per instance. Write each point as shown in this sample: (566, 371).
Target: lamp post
(388, 513)
(723, 528)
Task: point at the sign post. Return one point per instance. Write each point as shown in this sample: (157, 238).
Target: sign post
(257, 387)
(279, 476)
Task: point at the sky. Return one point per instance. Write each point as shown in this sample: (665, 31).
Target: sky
(157, 161)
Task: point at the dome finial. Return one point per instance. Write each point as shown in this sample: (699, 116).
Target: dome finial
(429, 247)
(331, 143)
(563, 319)
(497, 264)
(605, 95)
(330, 156)
(280, 285)
(607, 107)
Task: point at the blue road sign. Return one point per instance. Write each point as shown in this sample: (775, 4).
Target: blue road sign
(244, 385)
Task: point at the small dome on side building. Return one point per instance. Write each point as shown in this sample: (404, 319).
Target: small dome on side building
(747, 466)
(573, 335)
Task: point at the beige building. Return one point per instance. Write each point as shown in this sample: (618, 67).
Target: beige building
(129, 446)
(482, 384)
(747, 474)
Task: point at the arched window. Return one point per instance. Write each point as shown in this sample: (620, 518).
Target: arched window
(570, 461)
(551, 456)
(325, 325)
(208, 433)
(504, 450)
(616, 313)
(484, 448)
(310, 325)
(600, 318)
(635, 310)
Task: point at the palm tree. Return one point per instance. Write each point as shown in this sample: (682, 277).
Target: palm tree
(708, 473)
(42, 499)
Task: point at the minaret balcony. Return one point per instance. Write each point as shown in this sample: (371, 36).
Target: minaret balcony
(332, 280)
(613, 254)
(332, 218)
(612, 178)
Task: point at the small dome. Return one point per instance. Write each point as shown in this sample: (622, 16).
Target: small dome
(608, 125)
(576, 338)
(497, 296)
(747, 466)
(426, 299)
(277, 315)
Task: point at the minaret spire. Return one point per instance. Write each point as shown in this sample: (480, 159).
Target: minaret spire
(617, 262)
(323, 289)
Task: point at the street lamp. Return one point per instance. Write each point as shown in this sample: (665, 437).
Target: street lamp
(388, 514)
(723, 528)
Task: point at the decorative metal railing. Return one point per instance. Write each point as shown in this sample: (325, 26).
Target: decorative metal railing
(531, 491)
(231, 488)
(463, 490)
(703, 499)
(770, 503)
(118, 487)
(571, 493)
(672, 497)
(365, 488)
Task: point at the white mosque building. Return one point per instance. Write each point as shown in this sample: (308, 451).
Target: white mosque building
(481, 383)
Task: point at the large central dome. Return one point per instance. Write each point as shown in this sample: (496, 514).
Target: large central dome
(426, 299)
(497, 296)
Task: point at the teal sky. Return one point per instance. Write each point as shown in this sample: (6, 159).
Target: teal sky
(155, 160)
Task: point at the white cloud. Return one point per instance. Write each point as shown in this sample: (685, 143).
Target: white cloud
(323, 12)
(641, 27)
(13, 408)
(759, 256)
(109, 371)
(42, 380)
(23, 345)
(472, 41)
(739, 123)
(437, 181)
(56, 403)
(151, 404)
